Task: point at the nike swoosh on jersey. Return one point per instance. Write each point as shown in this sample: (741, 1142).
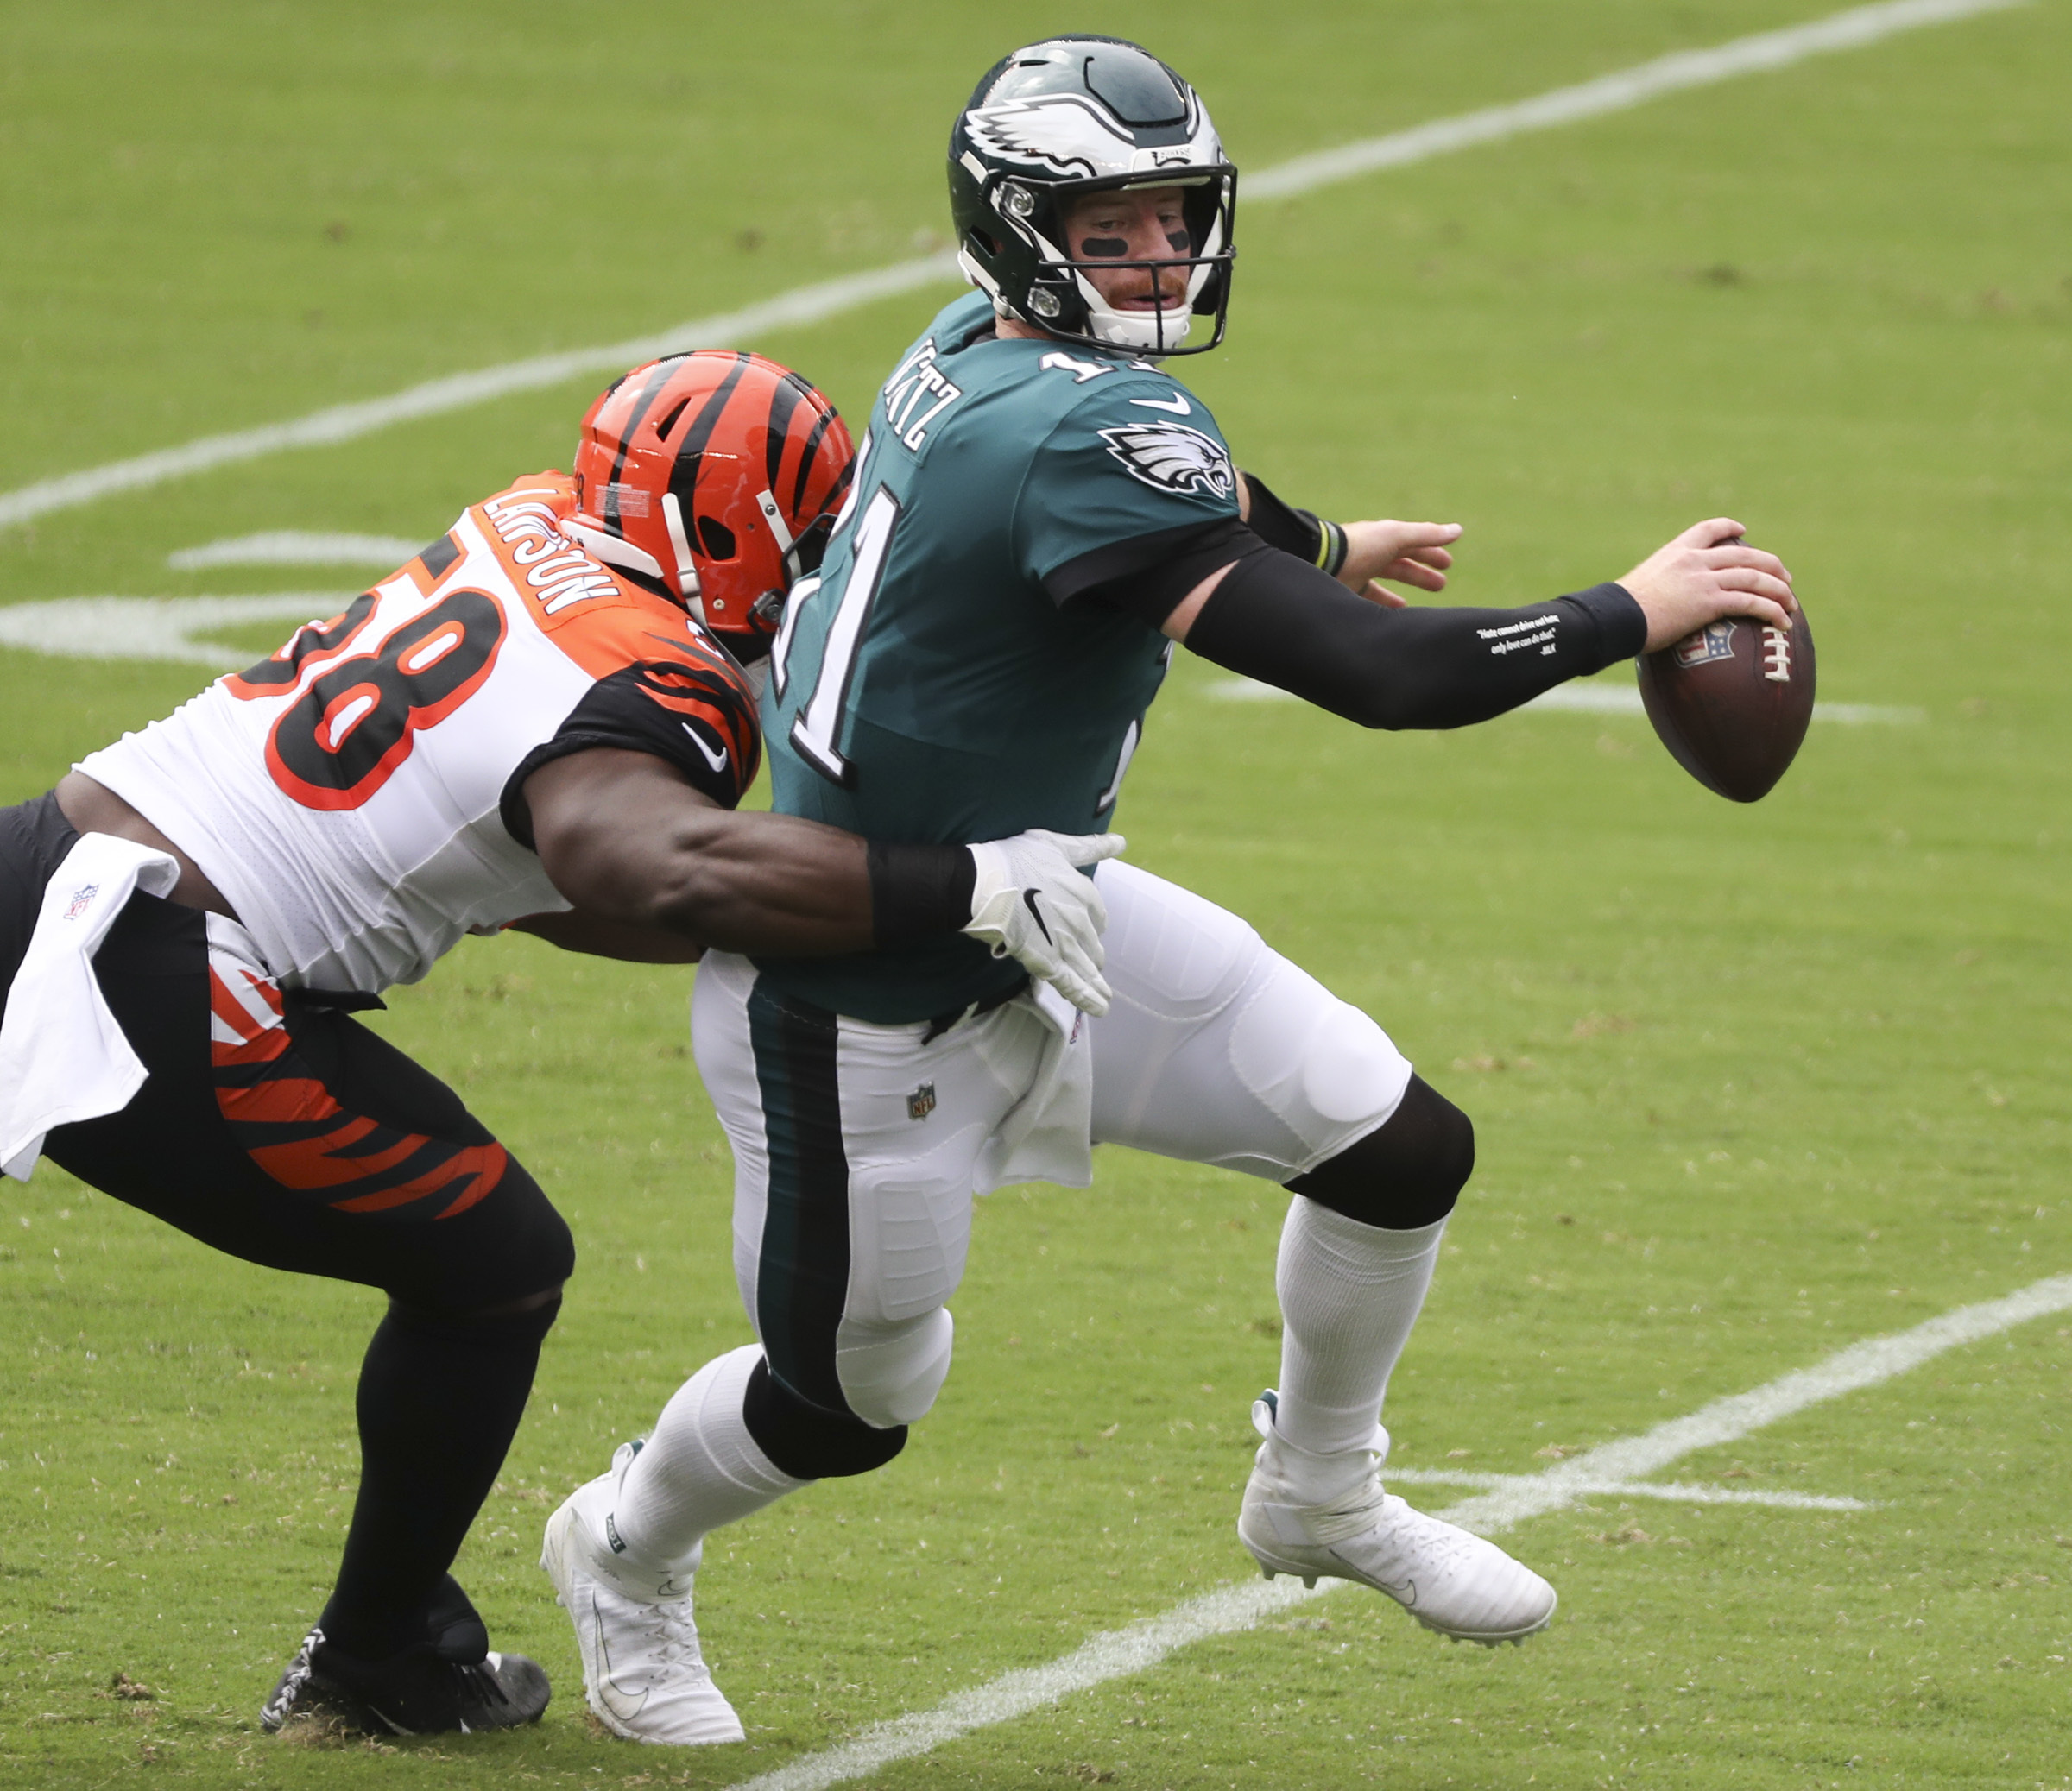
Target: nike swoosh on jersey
(1178, 404)
(717, 761)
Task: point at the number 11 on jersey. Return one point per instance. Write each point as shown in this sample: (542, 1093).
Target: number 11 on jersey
(819, 721)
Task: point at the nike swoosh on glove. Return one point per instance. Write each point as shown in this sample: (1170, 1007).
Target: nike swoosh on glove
(1032, 902)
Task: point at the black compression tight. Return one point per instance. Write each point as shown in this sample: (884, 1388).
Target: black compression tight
(439, 1400)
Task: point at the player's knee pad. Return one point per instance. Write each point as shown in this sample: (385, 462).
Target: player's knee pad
(808, 1441)
(508, 1248)
(1317, 1061)
(891, 1370)
(1407, 1172)
(545, 1256)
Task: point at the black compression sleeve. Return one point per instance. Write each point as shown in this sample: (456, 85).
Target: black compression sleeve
(918, 892)
(1147, 577)
(1301, 533)
(1287, 624)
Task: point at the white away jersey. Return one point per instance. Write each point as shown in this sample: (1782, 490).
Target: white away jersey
(357, 797)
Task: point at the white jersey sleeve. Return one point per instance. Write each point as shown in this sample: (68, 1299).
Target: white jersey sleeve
(358, 797)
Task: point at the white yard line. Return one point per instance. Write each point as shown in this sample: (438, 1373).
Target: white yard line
(348, 422)
(1599, 699)
(1671, 1491)
(1117, 1653)
(834, 298)
(1674, 74)
(297, 547)
(155, 627)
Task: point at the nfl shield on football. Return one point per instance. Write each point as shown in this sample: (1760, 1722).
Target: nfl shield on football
(1731, 702)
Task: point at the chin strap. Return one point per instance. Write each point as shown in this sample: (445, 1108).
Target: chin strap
(613, 550)
(686, 568)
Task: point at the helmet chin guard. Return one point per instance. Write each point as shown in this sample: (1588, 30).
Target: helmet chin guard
(1074, 116)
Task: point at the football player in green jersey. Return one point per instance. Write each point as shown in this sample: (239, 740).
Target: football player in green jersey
(1041, 511)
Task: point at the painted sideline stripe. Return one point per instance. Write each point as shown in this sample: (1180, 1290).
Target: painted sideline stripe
(1598, 699)
(1117, 1653)
(833, 298)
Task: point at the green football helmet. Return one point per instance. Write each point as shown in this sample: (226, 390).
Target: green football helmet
(1081, 115)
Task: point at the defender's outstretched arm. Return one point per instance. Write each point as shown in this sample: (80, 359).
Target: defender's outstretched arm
(625, 837)
(645, 857)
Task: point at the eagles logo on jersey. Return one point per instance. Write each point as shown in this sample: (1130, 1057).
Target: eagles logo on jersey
(1085, 115)
(1173, 457)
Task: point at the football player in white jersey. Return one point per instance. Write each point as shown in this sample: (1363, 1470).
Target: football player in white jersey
(543, 720)
(1040, 511)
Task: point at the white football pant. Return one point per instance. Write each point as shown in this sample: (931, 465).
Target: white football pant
(856, 1146)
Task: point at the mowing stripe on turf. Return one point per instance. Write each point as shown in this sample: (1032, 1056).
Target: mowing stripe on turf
(814, 304)
(1118, 1653)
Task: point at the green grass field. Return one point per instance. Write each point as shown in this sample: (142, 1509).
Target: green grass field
(1750, 1084)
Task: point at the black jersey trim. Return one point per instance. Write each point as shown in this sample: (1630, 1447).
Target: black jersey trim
(625, 712)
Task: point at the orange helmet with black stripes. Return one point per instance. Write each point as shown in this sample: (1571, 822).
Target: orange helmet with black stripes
(712, 477)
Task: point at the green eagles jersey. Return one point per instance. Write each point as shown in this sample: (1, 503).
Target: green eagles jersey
(932, 686)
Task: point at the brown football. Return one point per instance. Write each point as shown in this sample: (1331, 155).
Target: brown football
(1731, 702)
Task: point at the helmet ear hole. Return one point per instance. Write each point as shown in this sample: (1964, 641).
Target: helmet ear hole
(716, 538)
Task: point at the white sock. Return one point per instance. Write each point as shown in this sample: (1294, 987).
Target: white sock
(700, 1468)
(1349, 1294)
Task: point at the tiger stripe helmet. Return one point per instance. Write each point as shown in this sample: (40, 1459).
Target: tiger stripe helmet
(714, 476)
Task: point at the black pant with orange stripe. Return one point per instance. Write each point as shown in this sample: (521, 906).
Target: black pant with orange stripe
(300, 1140)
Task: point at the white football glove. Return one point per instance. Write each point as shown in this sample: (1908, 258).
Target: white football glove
(1031, 903)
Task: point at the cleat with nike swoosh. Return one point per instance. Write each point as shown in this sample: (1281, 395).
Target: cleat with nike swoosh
(1450, 1579)
(643, 1672)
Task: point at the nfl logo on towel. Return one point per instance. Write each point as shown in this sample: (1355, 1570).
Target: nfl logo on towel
(81, 900)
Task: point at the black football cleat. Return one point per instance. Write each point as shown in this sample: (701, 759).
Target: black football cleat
(451, 1683)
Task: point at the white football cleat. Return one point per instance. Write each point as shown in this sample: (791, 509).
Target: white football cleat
(1448, 1578)
(642, 1671)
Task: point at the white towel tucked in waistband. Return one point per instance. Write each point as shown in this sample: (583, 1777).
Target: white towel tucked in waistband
(62, 1057)
(1043, 1135)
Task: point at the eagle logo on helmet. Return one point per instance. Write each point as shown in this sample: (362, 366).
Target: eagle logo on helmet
(1059, 130)
(1173, 457)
